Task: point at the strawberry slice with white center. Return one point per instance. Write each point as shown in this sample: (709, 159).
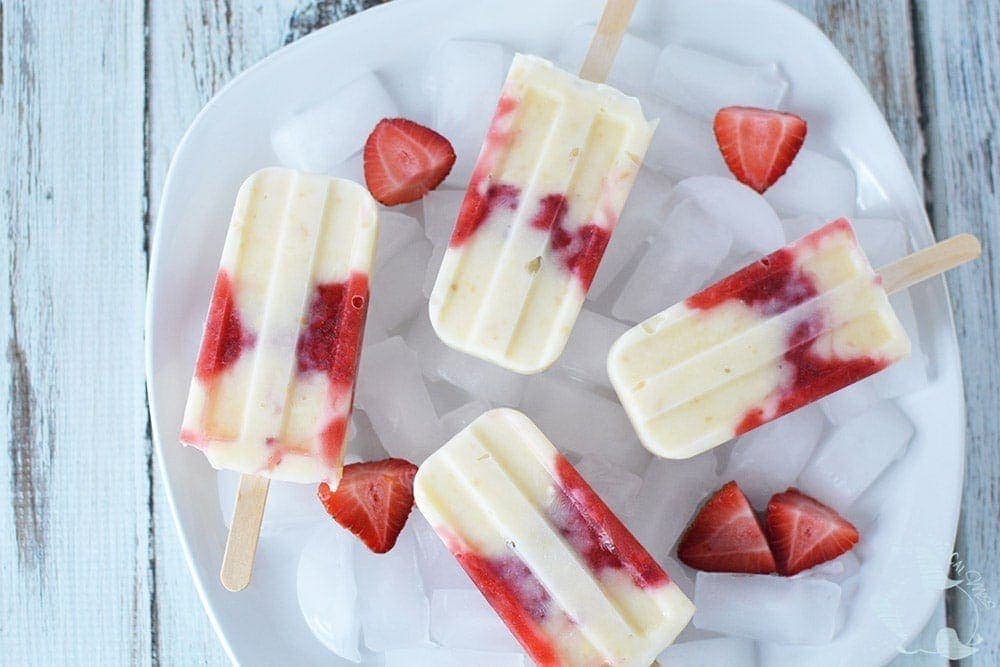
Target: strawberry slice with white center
(404, 161)
(725, 536)
(804, 532)
(758, 145)
(372, 501)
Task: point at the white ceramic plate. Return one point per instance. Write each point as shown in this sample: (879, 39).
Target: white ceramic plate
(903, 572)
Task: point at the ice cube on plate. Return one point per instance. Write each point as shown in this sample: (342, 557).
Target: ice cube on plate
(842, 406)
(352, 168)
(440, 213)
(680, 259)
(327, 133)
(397, 232)
(767, 607)
(670, 495)
(438, 567)
(392, 393)
(634, 63)
(683, 145)
(618, 488)
(910, 374)
(457, 419)
(855, 454)
(578, 420)
(754, 225)
(433, 267)
(586, 353)
(446, 657)
(328, 593)
(702, 83)
(727, 651)
(799, 226)
(815, 184)
(396, 288)
(394, 609)
(884, 241)
(479, 378)
(462, 618)
(643, 214)
(289, 505)
(464, 78)
(768, 459)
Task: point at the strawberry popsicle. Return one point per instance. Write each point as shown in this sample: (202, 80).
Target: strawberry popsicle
(555, 170)
(783, 332)
(569, 580)
(274, 381)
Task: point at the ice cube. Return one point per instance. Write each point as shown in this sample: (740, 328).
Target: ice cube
(463, 618)
(576, 419)
(438, 567)
(842, 406)
(702, 83)
(767, 607)
(815, 184)
(644, 213)
(433, 266)
(447, 657)
(586, 353)
(755, 226)
(797, 227)
(634, 63)
(328, 593)
(462, 416)
(910, 374)
(670, 495)
(396, 291)
(884, 241)
(290, 506)
(684, 145)
(464, 79)
(392, 393)
(618, 488)
(855, 454)
(394, 610)
(365, 443)
(480, 378)
(397, 232)
(768, 459)
(838, 570)
(352, 168)
(327, 133)
(728, 651)
(680, 259)
(440, 213)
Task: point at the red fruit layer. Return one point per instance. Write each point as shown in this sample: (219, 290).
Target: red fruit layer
(225, 338)
(331, 341)
(594, 531)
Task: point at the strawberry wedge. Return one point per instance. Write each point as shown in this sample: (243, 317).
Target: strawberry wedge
(403, 161)
(804, 532)
(758, 145)
(726, 537)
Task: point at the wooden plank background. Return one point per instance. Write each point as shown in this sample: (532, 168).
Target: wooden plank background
(94, 97)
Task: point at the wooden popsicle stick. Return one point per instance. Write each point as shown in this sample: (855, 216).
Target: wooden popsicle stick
(607, 39)
(241, 547)
(930, 262)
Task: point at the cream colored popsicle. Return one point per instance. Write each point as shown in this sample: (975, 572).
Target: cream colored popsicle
(556, 167)
(783, 332)
(274, 381)
(569, 580)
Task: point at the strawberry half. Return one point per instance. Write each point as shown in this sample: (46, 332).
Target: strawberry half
(373, 501)
(758, 145)
(725, 536)
(405, 160)
(804, 532)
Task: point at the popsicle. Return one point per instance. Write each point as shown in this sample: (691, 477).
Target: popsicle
(556, 167)
(274, 381)
(797, 325)
(566, 576)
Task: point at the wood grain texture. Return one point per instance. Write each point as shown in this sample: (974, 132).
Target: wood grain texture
(958, 49)
(74, 575)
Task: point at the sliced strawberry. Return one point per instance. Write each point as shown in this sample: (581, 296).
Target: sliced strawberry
(726, 536)
(758, 145)
(804, 532)
(404, 161)
(373, 500)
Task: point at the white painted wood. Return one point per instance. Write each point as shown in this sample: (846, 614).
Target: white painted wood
(959, 53)
(74, 530)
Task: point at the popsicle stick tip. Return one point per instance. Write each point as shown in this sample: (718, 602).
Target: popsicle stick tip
(603, 48)
(241, 547)
(930, 262)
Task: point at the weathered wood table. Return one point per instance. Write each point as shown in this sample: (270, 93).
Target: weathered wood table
(94, 96)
